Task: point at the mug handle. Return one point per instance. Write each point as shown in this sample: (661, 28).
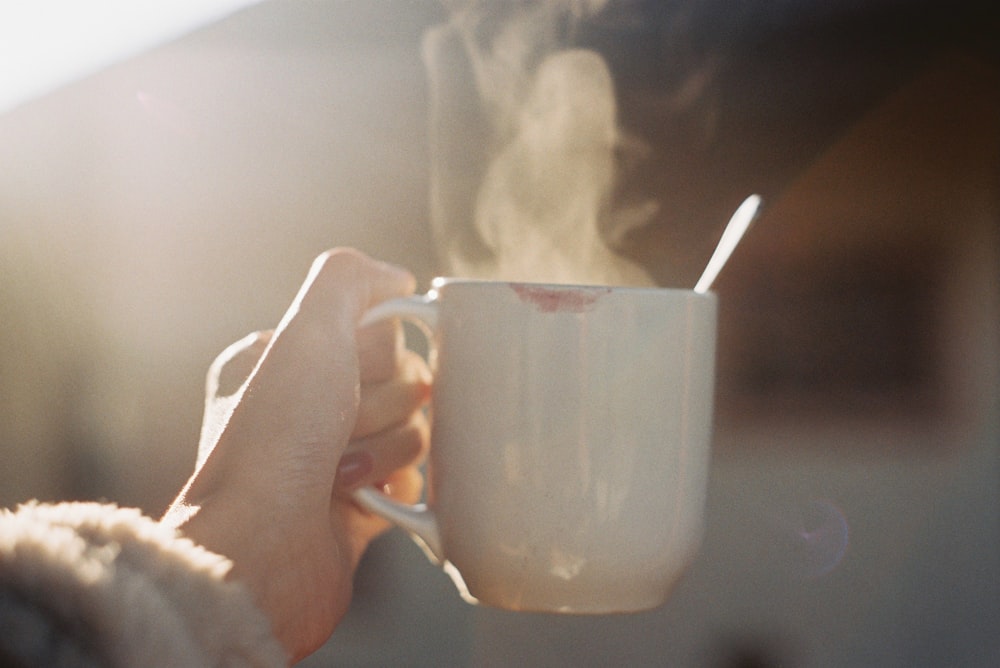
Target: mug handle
(419, 520)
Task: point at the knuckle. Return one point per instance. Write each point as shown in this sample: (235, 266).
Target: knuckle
(339, 262)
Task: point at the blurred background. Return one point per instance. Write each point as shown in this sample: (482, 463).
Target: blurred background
(156, 211)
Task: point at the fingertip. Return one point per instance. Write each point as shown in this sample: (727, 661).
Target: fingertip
(405, 485)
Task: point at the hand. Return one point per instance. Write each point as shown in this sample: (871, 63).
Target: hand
(295, 419)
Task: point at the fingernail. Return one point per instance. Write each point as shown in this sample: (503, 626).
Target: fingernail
(354, 467)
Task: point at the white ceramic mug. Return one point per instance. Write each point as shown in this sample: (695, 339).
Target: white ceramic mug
(570, 441)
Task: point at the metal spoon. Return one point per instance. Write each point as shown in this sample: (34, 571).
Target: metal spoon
(737, 225)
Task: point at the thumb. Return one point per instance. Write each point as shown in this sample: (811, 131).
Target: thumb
(223, 382)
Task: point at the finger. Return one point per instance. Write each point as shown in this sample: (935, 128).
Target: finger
(387, 403)
(404, 485)
(318, 331)
(379, 349)
(377, 457)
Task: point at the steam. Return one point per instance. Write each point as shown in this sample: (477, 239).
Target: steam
(524, 138)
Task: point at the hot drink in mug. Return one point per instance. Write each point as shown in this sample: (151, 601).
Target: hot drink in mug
(570, 440)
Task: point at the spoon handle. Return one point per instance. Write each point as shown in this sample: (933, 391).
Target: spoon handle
(737, 225)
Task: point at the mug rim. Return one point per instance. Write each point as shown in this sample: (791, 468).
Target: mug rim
(444, 281)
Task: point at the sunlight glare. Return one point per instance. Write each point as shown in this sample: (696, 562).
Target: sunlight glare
(45, 44)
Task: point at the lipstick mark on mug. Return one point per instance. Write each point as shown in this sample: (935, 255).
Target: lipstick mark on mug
(554, 300)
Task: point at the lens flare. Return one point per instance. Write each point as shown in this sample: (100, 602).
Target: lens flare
(813, 538)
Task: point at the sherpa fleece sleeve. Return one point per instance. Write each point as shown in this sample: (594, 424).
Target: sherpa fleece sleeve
(88, 584)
